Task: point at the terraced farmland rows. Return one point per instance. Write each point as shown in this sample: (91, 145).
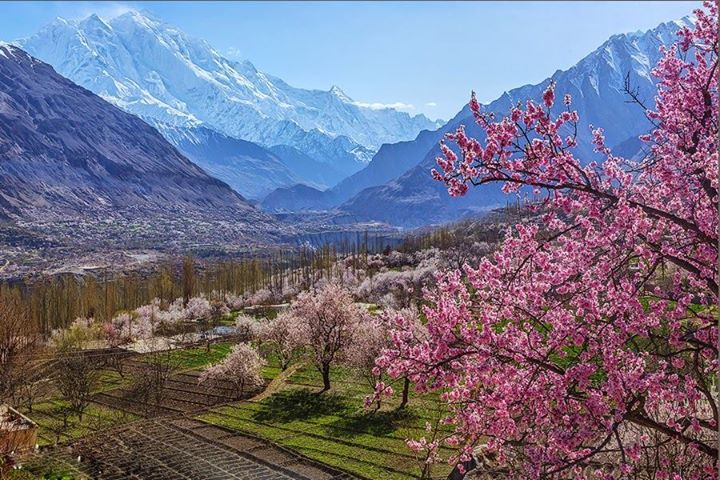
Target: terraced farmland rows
(183, 394)
(180, 448)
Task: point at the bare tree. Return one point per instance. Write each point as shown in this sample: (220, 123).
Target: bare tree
(188, 279)
(18, 347)
(76, 369)
(76, 375)
(150, 379)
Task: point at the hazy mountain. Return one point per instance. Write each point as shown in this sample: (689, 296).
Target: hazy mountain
(313, 172)
(245, 166)
(297, 198)
(156, 71)
(596, 84)
(65, 153)
(392, 160)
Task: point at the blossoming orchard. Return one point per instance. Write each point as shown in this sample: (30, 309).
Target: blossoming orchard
(586, 345)
(541, 305)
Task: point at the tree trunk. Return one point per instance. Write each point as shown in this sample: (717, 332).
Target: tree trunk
(405, 393)
(468, 466)
(326, 378)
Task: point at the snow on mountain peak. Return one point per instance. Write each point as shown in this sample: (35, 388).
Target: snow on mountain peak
(155, 70)
(339, 93)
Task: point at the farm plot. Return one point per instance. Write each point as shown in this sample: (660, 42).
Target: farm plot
(58, 425)
(334, 428)
(170, 449)
(54, 464)
(181, 391)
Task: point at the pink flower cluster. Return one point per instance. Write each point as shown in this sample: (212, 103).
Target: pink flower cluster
(586, 346)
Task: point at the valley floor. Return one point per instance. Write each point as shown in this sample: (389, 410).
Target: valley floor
(285, 430)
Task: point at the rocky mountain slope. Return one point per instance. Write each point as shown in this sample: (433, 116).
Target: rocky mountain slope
(245, 166)
(66, 155)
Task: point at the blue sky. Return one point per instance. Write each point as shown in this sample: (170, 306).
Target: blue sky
(423, 57)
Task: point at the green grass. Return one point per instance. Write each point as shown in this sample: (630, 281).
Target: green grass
(269, 372)
(334, 428)
(49, 473)
(229, 319)
(198, 357)
(49, 417)
(57, 466)
(110, 380)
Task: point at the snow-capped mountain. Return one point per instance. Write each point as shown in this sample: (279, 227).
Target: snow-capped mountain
(67, 153)
(597, 85)
(156, 71)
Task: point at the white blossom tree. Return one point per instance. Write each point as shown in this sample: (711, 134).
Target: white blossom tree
(241, 369)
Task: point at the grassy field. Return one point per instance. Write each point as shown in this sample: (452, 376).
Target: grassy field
(198, 357)
(49, 416)
(335, 428)
(59, 467)
(52, 473)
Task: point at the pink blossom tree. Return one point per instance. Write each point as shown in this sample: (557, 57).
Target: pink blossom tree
(405, 327)
(369, 341)
(241, 369)
(281, 338)
(326, 320)
(586, 345)
(248, 328)
(198, 308)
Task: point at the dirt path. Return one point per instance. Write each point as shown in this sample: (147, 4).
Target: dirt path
(277, 383)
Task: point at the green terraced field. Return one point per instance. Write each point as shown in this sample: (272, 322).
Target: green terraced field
(335, 428)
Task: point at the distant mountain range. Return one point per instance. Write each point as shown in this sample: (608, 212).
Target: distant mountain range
(297, 150)
(66, 154)
(388, 163)
(396, 186)
(157, 72)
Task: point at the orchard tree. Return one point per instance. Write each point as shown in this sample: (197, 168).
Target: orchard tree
(198, 309)
(280, 336)
(370, 339)
(248, 328)
(188, 279)
(568, 353)
(77, 370)
(241, 369)
(406, 328)
(326, 320)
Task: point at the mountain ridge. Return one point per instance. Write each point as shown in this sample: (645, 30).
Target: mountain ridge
(596, 84)
(154, 70)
